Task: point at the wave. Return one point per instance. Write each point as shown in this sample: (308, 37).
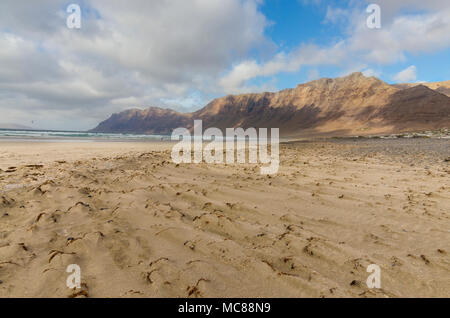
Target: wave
(68, 135)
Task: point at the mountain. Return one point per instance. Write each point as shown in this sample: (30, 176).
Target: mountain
(350, 105)
(441, 87)
(153, 120)
(14, 126)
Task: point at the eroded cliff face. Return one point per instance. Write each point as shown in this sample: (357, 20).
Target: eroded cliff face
(351, 105)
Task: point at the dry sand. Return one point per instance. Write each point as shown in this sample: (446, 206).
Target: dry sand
(140, 226)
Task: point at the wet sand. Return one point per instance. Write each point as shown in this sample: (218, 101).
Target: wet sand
(140, 226)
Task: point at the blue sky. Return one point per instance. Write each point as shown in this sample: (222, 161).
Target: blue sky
(296, 22)
(182, 54)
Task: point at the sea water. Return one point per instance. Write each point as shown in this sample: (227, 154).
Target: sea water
(75, 136)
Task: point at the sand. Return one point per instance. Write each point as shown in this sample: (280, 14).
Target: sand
(140, 226)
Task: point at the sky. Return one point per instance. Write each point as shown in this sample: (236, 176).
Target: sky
(181, 54)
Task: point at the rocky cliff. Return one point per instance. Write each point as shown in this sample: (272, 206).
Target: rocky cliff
(351, 105)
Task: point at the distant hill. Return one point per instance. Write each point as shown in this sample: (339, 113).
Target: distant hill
(14, 126)
(441, 87)
(350, 105)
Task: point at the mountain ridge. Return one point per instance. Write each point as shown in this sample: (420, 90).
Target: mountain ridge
(349, 105)
(441, 87)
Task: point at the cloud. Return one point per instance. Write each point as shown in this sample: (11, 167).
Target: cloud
(144, 52)
(409, 74)
(392, 8)
(234, 81)
(404, 33)
(313, 75)
(180, 54)
(310, 2)
(413, 33)
(336, 15)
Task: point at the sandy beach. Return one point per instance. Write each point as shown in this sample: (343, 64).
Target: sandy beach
(140, 226)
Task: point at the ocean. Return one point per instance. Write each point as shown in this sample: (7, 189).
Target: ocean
(74, 136)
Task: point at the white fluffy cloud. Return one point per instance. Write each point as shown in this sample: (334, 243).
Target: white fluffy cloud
(409, 74)
(391, 8)
(179, 53)
(426, 32)
(402, 32)
(235, 80)
(140, 52)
